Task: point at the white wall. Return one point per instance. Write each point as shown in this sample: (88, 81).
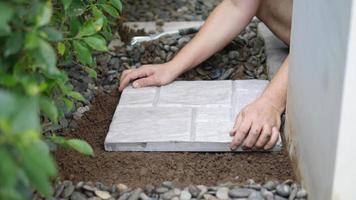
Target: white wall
(321, 104)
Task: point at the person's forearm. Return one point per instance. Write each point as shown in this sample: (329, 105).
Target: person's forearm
(276, 91)
(223, 24)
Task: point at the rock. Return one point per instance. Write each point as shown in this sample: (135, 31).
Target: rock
(194, 190)
(116, 43)
(79, 185)
(255, 196)
(144, 196)
(149, 189)
(58, 191)
(89, 188)
(268, 195)
(121, 187)
(233, 54)
(124, 196)
(301, 193)
(209, 197)
(77, 196)
(203, 190)
(283, 189)
(226, 74)
(171, 193)
(168, 184)
(240, 192)
(270, 185)
(293, 193)
(277, 197)
(223, 193)
(161, 190)
(102, 194)
(135, 195)
(185, 195)
(68, 190)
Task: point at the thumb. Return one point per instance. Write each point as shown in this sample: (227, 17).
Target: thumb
(144, 82)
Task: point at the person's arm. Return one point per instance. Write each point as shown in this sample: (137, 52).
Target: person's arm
(258, 124)
(224, 23)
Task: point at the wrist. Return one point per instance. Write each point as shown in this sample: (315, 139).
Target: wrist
(278, 103)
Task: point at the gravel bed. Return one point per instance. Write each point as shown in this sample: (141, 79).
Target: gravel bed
(168, 10)
(270, 190)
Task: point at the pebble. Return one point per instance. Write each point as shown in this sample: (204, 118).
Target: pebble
(255, 196)
(270, 185)
(77, 196)
(102, 194)
(283, 190)
(223, 193)
(68, 190)
(240, 192)
(121, 187)
(185, 195)
(135, 195)
(161, 190)
(302, 193)
(172, 193)
(168, 184)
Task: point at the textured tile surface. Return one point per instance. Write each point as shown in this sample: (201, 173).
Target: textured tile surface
(182, 116)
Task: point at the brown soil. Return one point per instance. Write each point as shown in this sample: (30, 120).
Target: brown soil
(139, 169)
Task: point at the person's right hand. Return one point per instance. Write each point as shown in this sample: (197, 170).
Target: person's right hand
(148, 75)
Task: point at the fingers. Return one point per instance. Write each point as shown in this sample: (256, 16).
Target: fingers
(273, 140)
(129, 75)
(238, 121)
(144, 82)
(264, 137)
(253, 135)
(241, 132)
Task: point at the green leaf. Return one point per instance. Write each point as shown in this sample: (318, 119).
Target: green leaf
(49, 108)
(7, 168)
(13, 44)
(38, 165)
(82, 52)
(8, 104)
(80, 146)
(117, 4)
(66, 4)
(96, 12)
(75, 95)
(44, 14)
(92, 73)
(110, 9)
(52, 34)
(46, 55)
(26, 117)
(32, 40)
(74, 25)
(91, 27)
(96, 42)
(68, 103)
(61, 48)
(6, 12)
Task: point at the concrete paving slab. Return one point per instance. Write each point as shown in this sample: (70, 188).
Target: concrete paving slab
(181, 116)
(276, 50)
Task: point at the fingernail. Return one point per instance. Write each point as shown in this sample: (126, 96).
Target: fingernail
(135, 85)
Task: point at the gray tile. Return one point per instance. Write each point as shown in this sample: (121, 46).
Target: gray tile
(138, 97)
(182, 116)
(196, 93)
(152, 124)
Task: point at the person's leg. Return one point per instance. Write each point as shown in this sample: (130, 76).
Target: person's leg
(258, 124)
(277, 15)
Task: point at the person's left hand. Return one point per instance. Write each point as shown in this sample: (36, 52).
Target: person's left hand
(257, 125)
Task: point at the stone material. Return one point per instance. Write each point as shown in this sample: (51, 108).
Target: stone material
(276, 50)
(167, 26)
(181, 116)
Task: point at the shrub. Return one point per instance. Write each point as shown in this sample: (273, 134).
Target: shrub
(35, 38)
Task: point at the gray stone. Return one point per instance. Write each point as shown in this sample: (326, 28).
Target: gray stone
(270, 185)
(168, 184)
(302, 193)
(255, 196)
(161, 190)
(68, 190)
(135, 195)
(77, 196)
(223, 193)
(240, 192)
(283, 190)
(124, 196)
(102, 194)
(185, 195)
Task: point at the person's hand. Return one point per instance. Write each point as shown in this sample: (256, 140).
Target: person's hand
(148, 75)
(257, 125)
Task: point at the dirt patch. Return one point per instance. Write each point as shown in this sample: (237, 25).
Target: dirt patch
(139, 169)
